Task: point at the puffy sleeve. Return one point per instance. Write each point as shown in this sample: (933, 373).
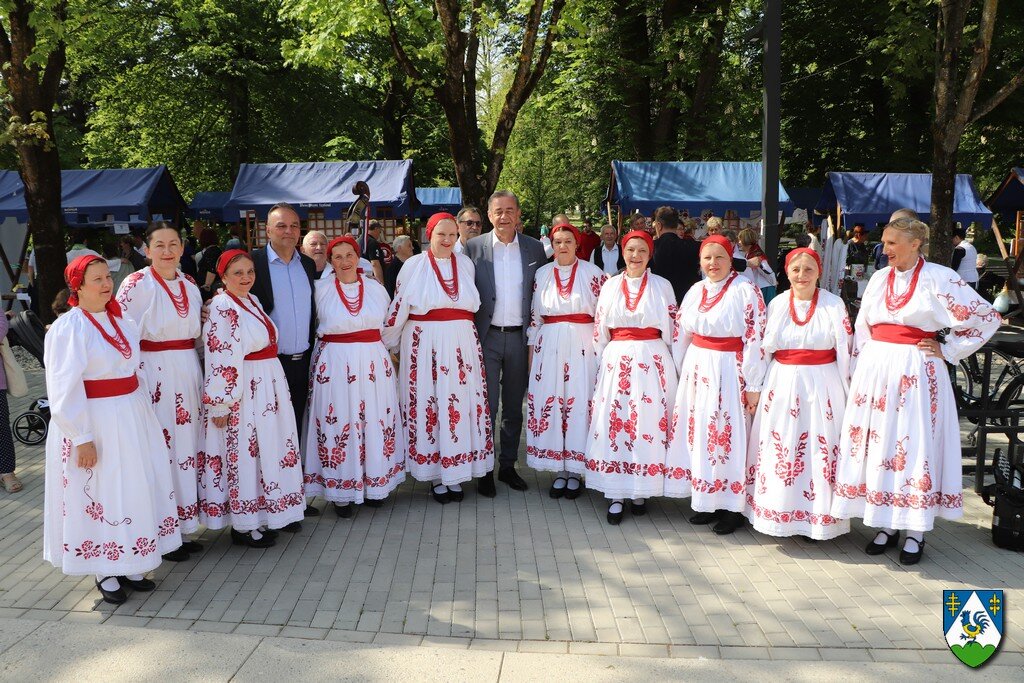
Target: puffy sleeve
(843, 331)
(398, 311)
(681, 337)
(971, 320)
(224, 358)
(65, 356)
(135, 297)
(535, 315)
(754, 318)
(602, 335)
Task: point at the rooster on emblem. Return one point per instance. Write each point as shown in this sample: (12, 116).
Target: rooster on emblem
(972, 631)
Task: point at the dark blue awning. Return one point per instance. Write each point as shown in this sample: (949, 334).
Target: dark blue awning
(870, 198)
(1010, 195)
(436, 199)
(322, 186)
(209, 206)
(696, 186)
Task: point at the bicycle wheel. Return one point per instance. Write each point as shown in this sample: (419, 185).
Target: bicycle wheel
(30, 428)
(1012, 398)
(1004, 368)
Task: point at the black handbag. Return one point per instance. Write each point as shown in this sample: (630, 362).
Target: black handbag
(1006, 496)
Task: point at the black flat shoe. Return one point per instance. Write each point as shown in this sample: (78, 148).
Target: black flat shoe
(912, 558)
(808, 539)
(245, 538)
(310, 511)
(509, 476)
(638, 509)
(441, 497)
(114, 597)
(730, 522)
(485, 485)
(891, 540)
(573, 494)
(192, 547)
(373, 503)
(294, 527)
(177, 555)
(343, 511)
(705, 517)
(615, 518)
(558, 491)
(456, 496)
(143, 585)
(271, 533)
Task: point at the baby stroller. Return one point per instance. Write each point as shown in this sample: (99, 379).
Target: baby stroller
(30, 427)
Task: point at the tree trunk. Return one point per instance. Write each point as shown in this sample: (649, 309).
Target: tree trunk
(40, 172)
(393, 112)
(634, 83)
(237, 91)
(940, 246)
(697, 143)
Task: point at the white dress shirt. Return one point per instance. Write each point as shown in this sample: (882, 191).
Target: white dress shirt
(508, 282)
(610, 259)
(459, 247)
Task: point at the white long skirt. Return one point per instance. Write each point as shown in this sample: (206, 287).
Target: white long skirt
(444, 401)
(559, 399)
(630, 424)
(120, 516)
(707, 457)
(354, 445)
(249, 474)
(794, 446)
(175, 379)
(900, 461)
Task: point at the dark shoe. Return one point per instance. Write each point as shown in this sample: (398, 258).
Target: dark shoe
(508, 475)
(615, 518)
(873, 548)
(192, 547)
(638, 509)
(485, 485)
(730, 522)
(114, 597)
(343, 511)
(808, 539)
(441, 497)
(177, 555)
(270, 533)
(456, 496)
(245, 538)
(311, 511)
(573, 494)
(143, 585)
(705, 517)
(558, 491)
(372, 503)
(294, 527)
(912, 558)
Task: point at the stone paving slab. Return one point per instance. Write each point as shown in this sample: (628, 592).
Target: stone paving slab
(525, 573)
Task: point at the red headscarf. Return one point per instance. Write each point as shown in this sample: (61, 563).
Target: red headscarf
(74, 275)
(723, 242)
(804, 250)
(344, 239)
(638, 234)
(566, 227)
(437, 218)
(227, 257)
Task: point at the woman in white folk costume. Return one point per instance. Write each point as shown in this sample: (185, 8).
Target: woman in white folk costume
(563, 363)
(109, 507)
(441, 379)
(899, 458)
(718, 350)
(794, 440)
(636, 380)
(354, 443)
(166, 305)
(249, 470)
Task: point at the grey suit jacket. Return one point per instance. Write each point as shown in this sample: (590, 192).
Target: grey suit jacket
(481, 251)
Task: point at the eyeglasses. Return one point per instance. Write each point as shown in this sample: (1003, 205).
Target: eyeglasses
(477, 223)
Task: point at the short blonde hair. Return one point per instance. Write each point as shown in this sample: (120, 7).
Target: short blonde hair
(912, 229)
(713, 223)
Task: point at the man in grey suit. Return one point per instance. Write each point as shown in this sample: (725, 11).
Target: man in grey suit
(506, 262)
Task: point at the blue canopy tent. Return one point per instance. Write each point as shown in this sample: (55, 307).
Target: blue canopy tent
(436, 199)
(870, 198)
(696, 186)
(1010, 194)
(209, 206)
(324, 187)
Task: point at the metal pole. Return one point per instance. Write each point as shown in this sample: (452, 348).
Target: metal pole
(772, 34)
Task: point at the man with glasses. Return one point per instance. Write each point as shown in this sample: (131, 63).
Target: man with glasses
(469, 223)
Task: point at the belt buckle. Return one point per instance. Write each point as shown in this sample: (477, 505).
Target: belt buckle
(297, 356)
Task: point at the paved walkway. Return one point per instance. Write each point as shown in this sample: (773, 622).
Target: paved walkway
(522, 573)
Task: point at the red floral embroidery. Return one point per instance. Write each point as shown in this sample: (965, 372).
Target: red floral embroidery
(113, 551)
(144, 546)
(88, 550)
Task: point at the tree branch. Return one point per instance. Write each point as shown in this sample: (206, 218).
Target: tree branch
(976, 70)
(5, 46)
(997, 99)
(396, 45)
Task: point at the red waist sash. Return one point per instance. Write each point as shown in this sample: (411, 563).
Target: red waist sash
(362, 336)
(443, 315)
(805, 356)
(899, 334)
(172, 345)
(718, 343)
(266, 353)
(105, 388)
(635, 333)
(582, 318)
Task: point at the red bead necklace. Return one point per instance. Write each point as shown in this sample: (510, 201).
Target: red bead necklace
(120, 342)
(566, 291)
(180, 302)
(353, 306)
(450, 286)
(707, 304)
(262, 317)
(893, 302)
(631, 304)
(810, 311)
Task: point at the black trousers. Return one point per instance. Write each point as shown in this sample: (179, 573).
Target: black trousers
(6, 438)
(296, 371)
